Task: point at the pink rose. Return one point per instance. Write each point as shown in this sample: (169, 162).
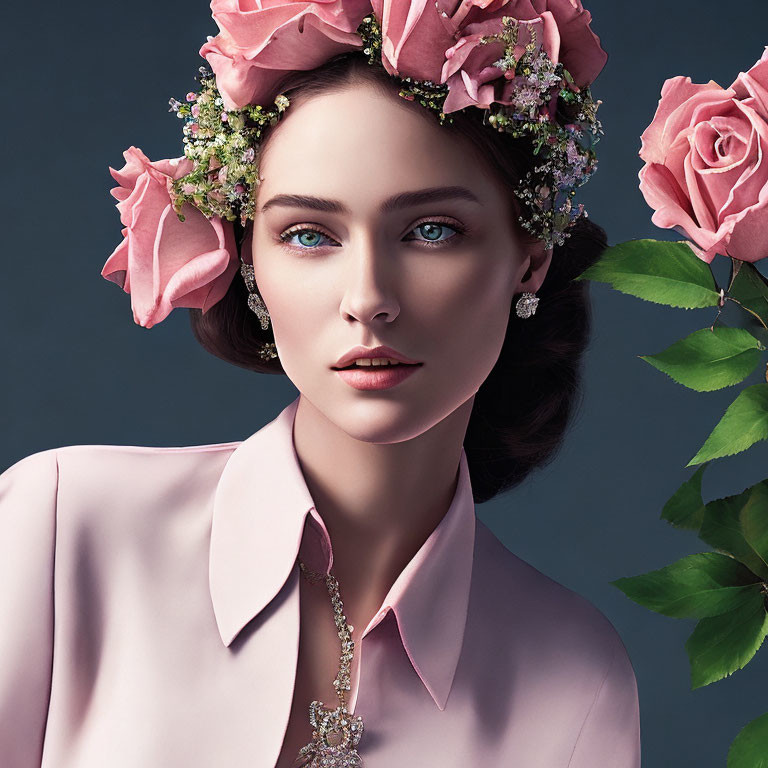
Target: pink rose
(438, 40)
(163, 262)
(469, 72)
(706, 164)
(260, 39)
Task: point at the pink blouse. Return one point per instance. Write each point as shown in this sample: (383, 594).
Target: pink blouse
(149, 618)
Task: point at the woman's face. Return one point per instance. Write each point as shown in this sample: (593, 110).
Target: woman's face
(403, 239)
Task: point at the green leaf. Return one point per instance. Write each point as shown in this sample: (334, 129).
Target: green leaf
(722, 644)
(697, 586)
(685, 508)
(750, 747)
(750, 288)
(743, 424)
(723, 527)
(710, 359)
(754, 523)
(656, 270)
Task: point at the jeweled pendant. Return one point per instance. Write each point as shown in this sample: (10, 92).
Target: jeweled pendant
(334, 738)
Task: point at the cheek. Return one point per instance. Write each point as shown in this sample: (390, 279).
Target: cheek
(297, 345)
(301, 305)
(294, 312)
(280, 281)
(467, 312)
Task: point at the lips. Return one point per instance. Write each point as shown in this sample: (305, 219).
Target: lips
(373, 366)
(377, 376)
(371, 352)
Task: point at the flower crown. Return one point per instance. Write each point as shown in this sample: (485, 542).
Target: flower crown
(527, 64)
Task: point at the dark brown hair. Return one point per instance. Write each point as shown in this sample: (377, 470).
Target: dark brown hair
(521, 412)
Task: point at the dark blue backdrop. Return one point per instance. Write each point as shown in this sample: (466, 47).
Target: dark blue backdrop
(86, 80)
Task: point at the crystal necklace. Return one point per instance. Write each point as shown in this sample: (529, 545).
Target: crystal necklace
(336, 732)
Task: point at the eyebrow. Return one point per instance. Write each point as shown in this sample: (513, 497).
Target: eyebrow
(394, 203)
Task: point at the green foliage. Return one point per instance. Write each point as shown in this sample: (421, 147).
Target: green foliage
(726, 589)
(750, 748)
(696, 586)
(710, 359)
(739, 525)
(685, 509)
(722, 644)
(750, 289)
(744, 423)
(660, 271)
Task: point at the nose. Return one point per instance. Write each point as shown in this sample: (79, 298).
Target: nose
(368, 285)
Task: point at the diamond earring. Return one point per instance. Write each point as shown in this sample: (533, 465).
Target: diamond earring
(256, 304)
(526, 304)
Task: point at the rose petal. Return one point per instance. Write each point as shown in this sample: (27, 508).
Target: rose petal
(414, 38)
(747, 189)
(667, 122)
(164, 262)
(202, 280)
(116, 267)
(755, 84)
(703, 210)
(748, 241)
(259, 42)
(718, 174)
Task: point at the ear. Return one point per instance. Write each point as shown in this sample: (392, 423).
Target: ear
(534, 266)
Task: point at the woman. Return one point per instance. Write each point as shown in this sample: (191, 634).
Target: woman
(183, 606)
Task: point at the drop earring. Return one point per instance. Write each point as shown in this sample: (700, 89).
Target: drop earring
(256, 304)
(526, 304)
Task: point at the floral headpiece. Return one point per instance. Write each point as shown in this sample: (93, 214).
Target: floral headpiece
(527, 63)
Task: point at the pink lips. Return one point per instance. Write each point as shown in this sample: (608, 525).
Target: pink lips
(381, 351)
(377, 377)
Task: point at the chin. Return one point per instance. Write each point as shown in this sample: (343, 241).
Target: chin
(373, 418)
(378, 420)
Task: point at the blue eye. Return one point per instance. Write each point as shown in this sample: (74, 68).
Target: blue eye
(431, 230)
(310, 238)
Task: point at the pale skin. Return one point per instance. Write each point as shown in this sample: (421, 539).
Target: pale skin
(381, 465)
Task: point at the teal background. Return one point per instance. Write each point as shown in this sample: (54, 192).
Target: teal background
(86, 80)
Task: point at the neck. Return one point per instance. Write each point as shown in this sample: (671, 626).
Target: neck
(379, 501)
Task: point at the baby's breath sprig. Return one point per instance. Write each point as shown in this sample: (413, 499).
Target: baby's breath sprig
(428, 94)
(370, 33)
(564, 141)
(224, 146)
(425, 92)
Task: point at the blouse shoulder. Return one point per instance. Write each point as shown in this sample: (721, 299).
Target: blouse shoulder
(28, 507)
(101, 480)
(28, 500)
(28, 468)
(564, 644)
(108, 453)
(551, 611)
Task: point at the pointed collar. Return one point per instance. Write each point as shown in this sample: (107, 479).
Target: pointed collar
(261, 510)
